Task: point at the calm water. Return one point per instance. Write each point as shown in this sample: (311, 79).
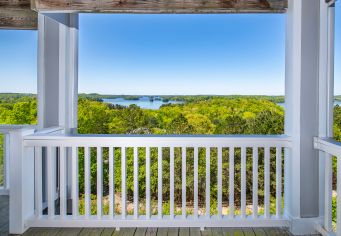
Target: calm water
(143, 102)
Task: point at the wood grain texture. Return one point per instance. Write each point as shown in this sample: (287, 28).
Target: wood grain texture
(17, 14)
(160, 6)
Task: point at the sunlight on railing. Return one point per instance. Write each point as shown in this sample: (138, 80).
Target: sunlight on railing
(162, 180)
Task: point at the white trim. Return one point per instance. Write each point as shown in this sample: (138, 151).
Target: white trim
(155, 141)
(328, 145)
(166, 221)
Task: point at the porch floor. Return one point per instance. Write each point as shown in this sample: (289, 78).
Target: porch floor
(4, 211)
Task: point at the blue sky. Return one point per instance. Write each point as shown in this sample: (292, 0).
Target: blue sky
(166, 54)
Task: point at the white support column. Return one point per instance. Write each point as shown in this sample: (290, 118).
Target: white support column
(302, 113)
(58, 70)
(58, 75)
(21, 203)
(326, 101)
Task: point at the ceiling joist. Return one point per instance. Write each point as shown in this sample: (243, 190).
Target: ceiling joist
(17, 14)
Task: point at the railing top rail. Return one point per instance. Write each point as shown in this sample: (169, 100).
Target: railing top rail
(328, 145)
(157, 140)
(5, 129)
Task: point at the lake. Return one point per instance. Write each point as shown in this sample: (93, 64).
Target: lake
(145, 103)
(142, 102)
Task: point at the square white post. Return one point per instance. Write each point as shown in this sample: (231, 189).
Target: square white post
(21, 203)
(308, 109)
(58, 75)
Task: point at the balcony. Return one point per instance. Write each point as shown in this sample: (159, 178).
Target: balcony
(55, 202)
(49, 179)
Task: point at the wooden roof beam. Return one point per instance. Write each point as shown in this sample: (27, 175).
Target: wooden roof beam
(161, 6)
(17, 14)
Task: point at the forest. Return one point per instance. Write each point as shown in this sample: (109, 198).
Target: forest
(197, 115)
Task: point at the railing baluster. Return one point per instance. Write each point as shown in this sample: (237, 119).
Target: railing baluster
(208, 182)
(255, 182)
(171, 182)
(338, 201)
(51, 184)
(63, 181)
(278, 182)
(267, 182)
(38, 181)
(183, 169)
(159, 180)
(111, 182)
(243, 182)
(6, 148)
(87, 185)
(196, 182)
(74, 158)
(220, 182)
(123, 182)
(148, 183)
(328, 192)
(99, 182)
(231, 181)
(136, 184)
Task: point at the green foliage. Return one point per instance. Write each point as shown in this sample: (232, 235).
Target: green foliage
(198, 115)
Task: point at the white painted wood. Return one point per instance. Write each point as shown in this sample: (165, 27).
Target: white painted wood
(63, 181)
(75, 198)
(302, 112)
(328, 145)
(231, 181)
(136, 183)
(6, 157)
(123, 182)
(171, 182)
(196, 175)
(243, 183)
(147, 219)
(159, 180)
(203, 221)
(183, 179)
(267, 182)
(208, 182)
(99, 181)
(148, 210)
(338, 198)
(154, 140)
(328, 193)
(255, 182)
(111, 182)
(50, 157)
(220, 181)
(278, 182)
(21, 201)
(87, 182)
(38, 182)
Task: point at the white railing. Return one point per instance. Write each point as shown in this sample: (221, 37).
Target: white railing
(4, 156)
(62, 154)
(331, 149)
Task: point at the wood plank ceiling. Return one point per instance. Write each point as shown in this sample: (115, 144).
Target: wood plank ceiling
(21, 14)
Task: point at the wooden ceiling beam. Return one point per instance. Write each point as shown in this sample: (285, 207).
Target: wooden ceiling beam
(17, 14)
(161, 6)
